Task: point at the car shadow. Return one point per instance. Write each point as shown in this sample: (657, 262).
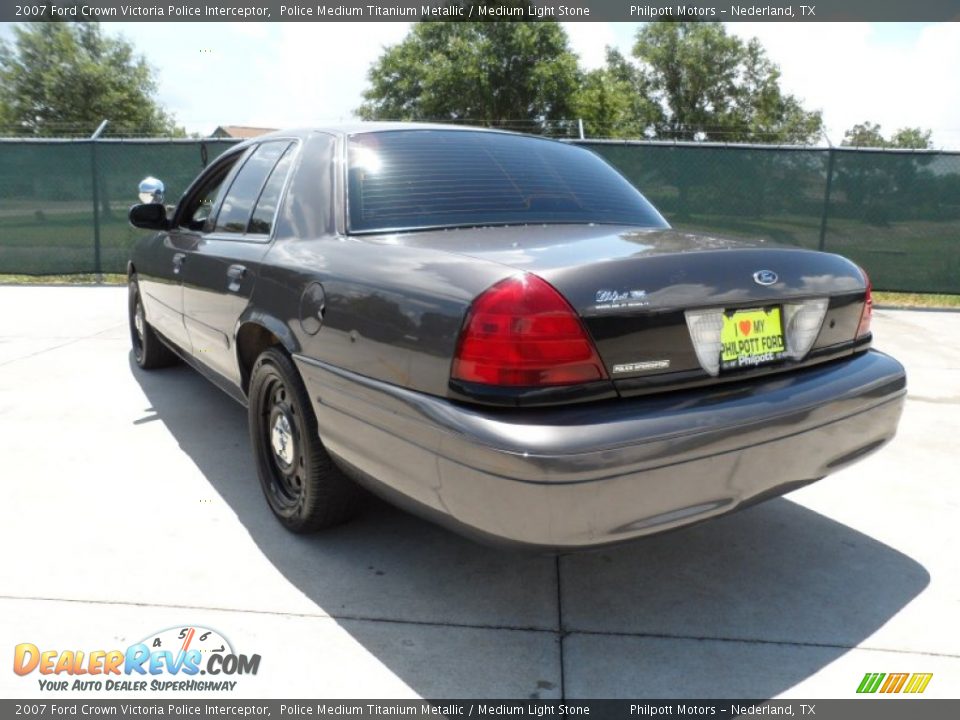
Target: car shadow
(777, 573)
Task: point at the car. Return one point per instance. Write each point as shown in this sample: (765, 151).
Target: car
(498, 332)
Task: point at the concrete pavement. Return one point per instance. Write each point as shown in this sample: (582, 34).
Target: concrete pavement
(129, 504)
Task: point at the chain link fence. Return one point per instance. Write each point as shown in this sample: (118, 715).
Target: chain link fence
(63, 204)
(894, 212)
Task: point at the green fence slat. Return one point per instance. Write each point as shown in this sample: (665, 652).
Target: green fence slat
(46, 199)
(896, 214)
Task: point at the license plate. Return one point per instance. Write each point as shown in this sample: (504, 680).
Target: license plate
(751, 337)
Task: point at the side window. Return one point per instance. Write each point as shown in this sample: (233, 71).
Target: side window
(238, 204)
(196, 214)
(263, 214)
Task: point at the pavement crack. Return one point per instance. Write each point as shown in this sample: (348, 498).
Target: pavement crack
(562, 633)
(41, 352)
(61, 345)
(284, 613)
(759, 641)
(561, 630)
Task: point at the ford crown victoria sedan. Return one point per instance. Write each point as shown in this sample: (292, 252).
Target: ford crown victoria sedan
(500, 333)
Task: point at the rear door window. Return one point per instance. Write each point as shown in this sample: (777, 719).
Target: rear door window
(237, 207)
(266, 209)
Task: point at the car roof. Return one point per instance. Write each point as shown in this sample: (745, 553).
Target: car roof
(355, 128)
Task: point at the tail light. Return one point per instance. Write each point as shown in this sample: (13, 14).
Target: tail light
(867, 315)
(521, 332)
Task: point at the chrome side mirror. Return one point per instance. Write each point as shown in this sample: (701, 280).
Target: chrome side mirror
(151, 190)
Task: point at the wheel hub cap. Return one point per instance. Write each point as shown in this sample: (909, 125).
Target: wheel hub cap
(281, 438)
(138, 320)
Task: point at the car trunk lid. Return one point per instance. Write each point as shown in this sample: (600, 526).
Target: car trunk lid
(635, 289)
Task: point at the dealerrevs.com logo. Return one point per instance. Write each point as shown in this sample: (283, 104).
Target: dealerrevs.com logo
(894, 682)
(171, 659)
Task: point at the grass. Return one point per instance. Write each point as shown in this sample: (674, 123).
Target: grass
(921, 300)
(72, 279)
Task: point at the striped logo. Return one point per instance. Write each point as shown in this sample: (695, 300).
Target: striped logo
(894, 682)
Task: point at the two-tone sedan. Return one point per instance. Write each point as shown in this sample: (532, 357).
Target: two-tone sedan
(500, 333)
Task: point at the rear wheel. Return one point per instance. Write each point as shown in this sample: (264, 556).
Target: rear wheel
(303, 487)
(148, 350)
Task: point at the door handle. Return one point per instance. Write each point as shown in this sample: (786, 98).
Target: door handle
(235, 273)
(178, 262)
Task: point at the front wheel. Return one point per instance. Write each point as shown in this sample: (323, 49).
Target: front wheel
(303, 487)
(148, 350)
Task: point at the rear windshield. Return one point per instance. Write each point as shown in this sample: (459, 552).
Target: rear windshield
(408, 179)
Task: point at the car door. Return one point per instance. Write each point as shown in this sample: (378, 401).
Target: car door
(221, 268)
(160, 266)
(160, 287)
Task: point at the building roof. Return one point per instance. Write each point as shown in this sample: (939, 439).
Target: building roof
(239, 131)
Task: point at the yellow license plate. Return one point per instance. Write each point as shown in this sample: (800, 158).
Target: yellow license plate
(751, 337)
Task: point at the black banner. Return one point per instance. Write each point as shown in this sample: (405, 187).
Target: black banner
(192, 709)
(507, 10)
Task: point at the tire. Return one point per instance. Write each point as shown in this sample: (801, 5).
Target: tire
(303, 487)
(148, 350)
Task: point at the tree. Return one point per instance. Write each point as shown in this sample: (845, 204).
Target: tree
(63, 78)
(499, 74)
(916, 138)
(713, 86)
(613, 100)
(867, 134)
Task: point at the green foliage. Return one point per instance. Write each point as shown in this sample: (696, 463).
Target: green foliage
(867, 134)
(61, 78)
(693, 81)
(613, 100)
(864, 135)
(915, 137)
(713, 86)
(499, 74)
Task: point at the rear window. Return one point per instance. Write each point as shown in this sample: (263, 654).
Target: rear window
(408, 179)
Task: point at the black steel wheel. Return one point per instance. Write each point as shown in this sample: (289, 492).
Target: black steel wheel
(148, 350)
(303, 487)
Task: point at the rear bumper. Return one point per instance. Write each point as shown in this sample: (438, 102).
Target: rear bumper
(599, 473)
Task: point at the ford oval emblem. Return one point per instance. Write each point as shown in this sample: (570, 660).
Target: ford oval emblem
(765, 277)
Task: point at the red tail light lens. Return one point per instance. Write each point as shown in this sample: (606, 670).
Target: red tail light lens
(867, 315)
(522, 333)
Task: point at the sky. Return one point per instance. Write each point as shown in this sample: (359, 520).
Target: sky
(287, 74)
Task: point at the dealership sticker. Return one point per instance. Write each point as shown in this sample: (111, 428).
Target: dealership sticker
(190, 658)
(613, 299)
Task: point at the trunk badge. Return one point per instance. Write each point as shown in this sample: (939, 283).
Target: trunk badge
(765, 277)
(610, 299)
(644, 366)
